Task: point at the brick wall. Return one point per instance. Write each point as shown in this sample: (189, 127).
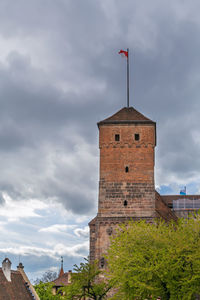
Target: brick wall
(129, 193)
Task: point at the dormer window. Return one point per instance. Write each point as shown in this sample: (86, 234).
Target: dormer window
(137, 137)
(117, 137)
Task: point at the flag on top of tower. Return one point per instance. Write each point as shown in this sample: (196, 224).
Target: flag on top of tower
(123, 53)
(183, 191)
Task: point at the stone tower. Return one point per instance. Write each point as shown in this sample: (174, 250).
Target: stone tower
(126, 188)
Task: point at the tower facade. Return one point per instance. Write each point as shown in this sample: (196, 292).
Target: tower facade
(127, 142)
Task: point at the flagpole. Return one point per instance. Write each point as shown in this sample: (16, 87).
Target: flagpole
(127, 77)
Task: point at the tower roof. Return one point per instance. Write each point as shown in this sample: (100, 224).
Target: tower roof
(126, 115)
(61, 269)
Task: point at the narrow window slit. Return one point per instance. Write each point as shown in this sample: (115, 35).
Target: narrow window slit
(125, 203)
(102, 262)
(117, 137)
(126, 169)
(137, 137)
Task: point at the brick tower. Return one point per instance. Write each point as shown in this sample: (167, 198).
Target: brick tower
(126, 188)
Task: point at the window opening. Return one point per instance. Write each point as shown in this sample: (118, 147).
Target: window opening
(102, 262)
(125, 203)
(117, 137)
(137, 137)
(126, 169)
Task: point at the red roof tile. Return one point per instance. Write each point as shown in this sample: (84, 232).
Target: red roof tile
(15, 289)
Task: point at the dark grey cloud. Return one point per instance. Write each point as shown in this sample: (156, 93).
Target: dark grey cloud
(61, 74)
(2, 200)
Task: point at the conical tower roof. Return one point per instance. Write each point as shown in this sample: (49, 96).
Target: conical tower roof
(61, 269)
(61, 272)
(126, 115)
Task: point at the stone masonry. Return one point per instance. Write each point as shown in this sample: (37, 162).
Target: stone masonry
(127, 142)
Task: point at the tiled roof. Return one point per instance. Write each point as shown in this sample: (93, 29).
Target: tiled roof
(15, 289)
(61, 280)
(126, 115)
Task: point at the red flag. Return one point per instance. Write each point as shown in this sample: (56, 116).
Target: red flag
(123, 53)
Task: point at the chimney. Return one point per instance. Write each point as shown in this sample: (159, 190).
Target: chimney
(69, 276)
(20, 269)
(6, 267)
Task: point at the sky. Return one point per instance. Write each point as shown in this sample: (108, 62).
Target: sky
(60, 73)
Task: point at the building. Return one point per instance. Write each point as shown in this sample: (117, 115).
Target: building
(64, 279)
(15, 285)
(127, 142)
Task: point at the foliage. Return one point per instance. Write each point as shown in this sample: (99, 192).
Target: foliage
(48, 276)
(44, 291)
(150, 260)
(86, 282)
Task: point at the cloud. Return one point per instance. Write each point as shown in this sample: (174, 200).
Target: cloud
(58, 250)
(30, 233)
(13, 211)
(82, 232)
(57, 228)
(2, 199)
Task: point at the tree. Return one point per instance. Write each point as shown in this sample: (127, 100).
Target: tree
(44, 291)
(86, 283)
(48, 276)
(150, 260)
(43, 286)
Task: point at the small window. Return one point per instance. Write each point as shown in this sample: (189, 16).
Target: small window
(102, 262)
(126, 169)
(125, 203)
(117, 137)
(137, 137)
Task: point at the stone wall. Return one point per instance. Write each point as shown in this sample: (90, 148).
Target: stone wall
(101, 231)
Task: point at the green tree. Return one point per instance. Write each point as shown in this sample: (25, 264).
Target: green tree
(44, 291)
(87, 282)
(150, 260)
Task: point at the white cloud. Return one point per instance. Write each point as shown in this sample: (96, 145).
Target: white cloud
(82, 232)
(78, 250)
(57, 228)
(13, 211)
